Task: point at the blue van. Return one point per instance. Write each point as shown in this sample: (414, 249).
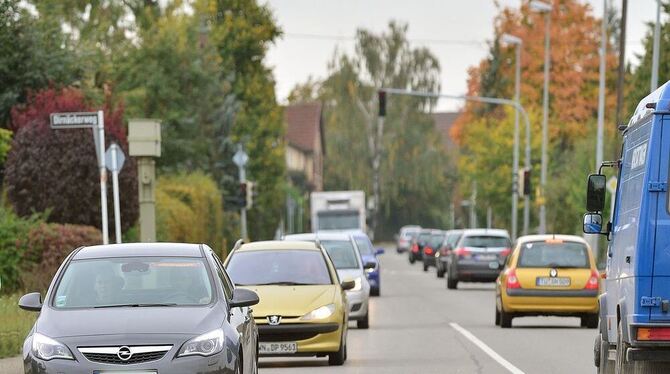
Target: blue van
(634, 332)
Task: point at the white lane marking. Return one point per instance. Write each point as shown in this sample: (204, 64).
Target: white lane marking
(504, 363)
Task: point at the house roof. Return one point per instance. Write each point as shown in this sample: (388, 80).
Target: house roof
(443, 123)
(304, 125)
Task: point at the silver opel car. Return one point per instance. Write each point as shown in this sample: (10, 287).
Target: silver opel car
(142, 309)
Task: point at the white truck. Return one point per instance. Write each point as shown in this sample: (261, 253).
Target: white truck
(338, 210)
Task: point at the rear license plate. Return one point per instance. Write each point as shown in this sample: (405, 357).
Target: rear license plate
(486, 257)
(552, 282)
(277, 348)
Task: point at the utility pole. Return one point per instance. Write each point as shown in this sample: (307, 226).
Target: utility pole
(622, 61)
(601, 104)
(657, 48)
(240, 159)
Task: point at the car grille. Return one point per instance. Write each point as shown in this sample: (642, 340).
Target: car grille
(108, 355)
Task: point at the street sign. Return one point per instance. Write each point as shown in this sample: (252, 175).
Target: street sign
(114, 149)
(240, 158)
(82, 120)
(611, 185)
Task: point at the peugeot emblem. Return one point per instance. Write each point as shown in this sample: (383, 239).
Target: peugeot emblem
(274, 320)
(124, 353)
(553, 273)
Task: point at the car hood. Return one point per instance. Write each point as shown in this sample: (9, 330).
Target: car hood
(125, 321)
(291, 301)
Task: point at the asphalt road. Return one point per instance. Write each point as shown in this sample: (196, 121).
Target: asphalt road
(418, 326)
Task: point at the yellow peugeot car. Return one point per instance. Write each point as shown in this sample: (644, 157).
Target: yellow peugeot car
(303, 308)
(548, 275)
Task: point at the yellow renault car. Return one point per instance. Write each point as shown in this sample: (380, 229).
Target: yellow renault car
(303, 308)
(548, 275)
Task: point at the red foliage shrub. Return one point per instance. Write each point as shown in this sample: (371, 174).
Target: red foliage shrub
(56, 170)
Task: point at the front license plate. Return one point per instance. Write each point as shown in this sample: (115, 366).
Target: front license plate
(277, 348)
(552, 282)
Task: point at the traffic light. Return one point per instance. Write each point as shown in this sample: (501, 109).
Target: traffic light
(242, 195)
(382, 103)
(250, 194)
(525, 186)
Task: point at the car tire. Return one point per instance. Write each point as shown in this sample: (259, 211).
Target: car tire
(425, 266)
(622, 367)
(506, 319)
(440, 273)
(338, 358)
(411, 258)
(590, 321)
(497, 316)
(365, 322)
(452, 282)
(605, 366)
(376, 291)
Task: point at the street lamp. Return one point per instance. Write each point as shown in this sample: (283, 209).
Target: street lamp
(516, 41)
(543, 7)
(657, 48)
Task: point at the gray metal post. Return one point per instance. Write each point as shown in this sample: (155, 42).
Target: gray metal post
(545, 124)
(243, 210)
(103, 176)
(593, 240)
(657, 48)
(115, 190)
(515, 172)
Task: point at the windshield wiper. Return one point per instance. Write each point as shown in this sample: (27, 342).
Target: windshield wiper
(137, 305)
(285, 283)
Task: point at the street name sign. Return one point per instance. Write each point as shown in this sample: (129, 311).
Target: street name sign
(81, 120)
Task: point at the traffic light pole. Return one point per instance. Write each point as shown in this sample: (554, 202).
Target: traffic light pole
(243, 210)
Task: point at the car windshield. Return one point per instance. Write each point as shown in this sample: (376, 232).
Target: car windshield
(134, 281)
(342, 253)
(436, 240)
(364, 245)
(485, 241)
(333, 220)
(284, 267)
(553, 255)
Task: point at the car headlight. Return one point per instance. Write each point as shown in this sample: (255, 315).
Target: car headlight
(358, 284)
(320, 313)
(47, 349)
(204, 345)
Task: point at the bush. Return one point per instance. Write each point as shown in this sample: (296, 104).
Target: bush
(45, 248)
(57, 170)
(14, 325)
(189, 209)
(12, 229)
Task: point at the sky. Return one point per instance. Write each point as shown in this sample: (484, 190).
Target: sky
(457, 31)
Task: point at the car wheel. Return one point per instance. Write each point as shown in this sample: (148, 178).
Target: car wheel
(452, 282)
(604, 365)
(411, 258)
(338, 358)
(622, 367)
(425, 266)
(376, 291)
(440, 272)
(497, 316)
(505, 319)
(365, 322)
(590, 321)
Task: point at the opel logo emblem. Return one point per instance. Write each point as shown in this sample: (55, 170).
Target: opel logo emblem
(124, 353)
(274, 320)
(553, 273)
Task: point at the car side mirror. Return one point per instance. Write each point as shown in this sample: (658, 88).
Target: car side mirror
(243, 297)
(348, 285)
(593, 223)
(31, 302)
(369, 265)
(595, 193)
(379, 251)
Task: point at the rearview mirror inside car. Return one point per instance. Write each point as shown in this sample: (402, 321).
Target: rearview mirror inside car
(348, 285)
(243, 297)
(595, 193)
(31, 302)
(593, 223)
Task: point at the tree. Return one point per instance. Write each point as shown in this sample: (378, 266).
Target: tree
(56, 171)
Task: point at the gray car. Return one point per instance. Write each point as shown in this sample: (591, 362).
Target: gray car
(142, 308)
(478, 256)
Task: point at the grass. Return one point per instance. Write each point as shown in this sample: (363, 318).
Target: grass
(14, 325)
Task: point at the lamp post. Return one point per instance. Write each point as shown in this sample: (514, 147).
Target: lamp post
(513, 40)
(657, 48)
(543, 7)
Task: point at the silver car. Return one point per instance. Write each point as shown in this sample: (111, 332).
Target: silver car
(346, 257)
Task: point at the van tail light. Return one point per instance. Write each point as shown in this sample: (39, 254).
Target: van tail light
(512, 280)
(462, 252)
(506, 252)
(653, 333)
(593, 283)
(415, 248)
(428, 251)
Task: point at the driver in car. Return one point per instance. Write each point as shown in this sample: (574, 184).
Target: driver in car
(107, 288)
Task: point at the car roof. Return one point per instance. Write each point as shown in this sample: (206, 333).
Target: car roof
(540, 238)
(492, 232)
(320, 235)
(139, 250)
(274, 245)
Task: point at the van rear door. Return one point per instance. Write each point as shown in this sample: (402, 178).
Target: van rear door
(659, 224)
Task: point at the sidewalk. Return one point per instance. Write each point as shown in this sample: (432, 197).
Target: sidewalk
(12, 365)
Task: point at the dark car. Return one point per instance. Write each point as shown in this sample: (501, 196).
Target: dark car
(478, 257)
(142, 308)
(432, 246)
(442, 255)
(415, 252)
